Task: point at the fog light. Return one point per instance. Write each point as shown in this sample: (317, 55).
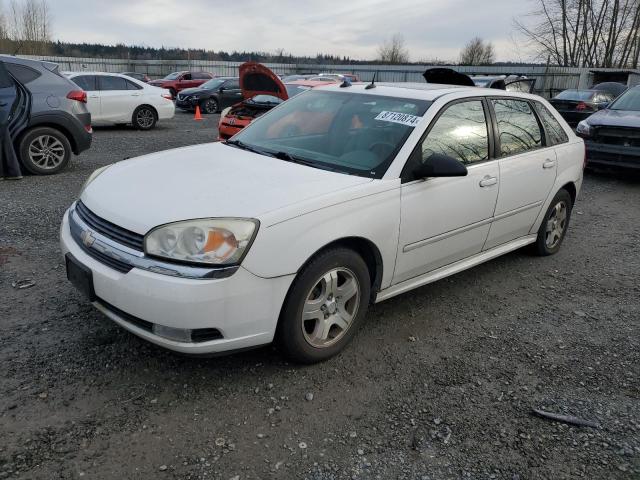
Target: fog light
(177, 334)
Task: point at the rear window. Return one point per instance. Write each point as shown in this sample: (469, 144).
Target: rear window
(293, 90)
(113, 83)
(575, 95)
(23, 74)
(518, 127)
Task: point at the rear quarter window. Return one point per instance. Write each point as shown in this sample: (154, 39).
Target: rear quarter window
(555, 134)
(22, 73)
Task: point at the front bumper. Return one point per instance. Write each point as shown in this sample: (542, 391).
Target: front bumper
(244, 308)
(616, 156)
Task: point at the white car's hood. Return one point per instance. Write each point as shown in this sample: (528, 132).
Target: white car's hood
(210, 180)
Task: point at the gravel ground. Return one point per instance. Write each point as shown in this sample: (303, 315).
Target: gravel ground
(439, 384)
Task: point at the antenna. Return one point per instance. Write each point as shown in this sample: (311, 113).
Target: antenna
(373, 81)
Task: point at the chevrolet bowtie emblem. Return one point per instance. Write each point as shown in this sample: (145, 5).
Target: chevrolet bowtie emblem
(87, 238)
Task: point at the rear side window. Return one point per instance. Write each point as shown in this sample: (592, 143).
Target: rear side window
(112, 83)
(132, 86)
(85, 82)
(21, 73)
(518, 127)
(460, 132)
(186, 76)
(232, 85)
(555, 134)
(201, 76)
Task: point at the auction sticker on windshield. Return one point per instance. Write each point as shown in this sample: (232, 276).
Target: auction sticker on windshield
(397, 117)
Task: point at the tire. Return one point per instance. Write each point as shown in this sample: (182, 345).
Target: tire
(210, 105)
(144, 117)
(554, 225)
(334, 314)
(44, 151)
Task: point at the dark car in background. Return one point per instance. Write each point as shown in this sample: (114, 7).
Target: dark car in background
(50, 118)
(612, 135)
(178, 81)
(211, 96)
(576, 105)
(138, 76)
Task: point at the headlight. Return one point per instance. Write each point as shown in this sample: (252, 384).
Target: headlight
(214, 241)
(224, 112)
(584, 128)
(92, 177)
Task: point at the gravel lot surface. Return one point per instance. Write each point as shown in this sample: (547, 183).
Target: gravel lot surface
(439, 384)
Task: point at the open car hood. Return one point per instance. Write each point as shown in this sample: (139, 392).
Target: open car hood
(447, 76)
(256, 79)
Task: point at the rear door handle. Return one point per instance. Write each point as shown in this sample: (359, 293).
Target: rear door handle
(549, 163)
(488, 181)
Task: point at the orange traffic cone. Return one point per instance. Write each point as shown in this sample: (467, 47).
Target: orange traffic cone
(198, 116)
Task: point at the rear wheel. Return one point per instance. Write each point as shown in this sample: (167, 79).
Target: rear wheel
(554, 225)
(44, 151)
(325, 306)
(210, 105)
(144, 118)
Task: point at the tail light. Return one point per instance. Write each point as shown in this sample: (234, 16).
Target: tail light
(78, 96)
(167, 95)
(581, 106)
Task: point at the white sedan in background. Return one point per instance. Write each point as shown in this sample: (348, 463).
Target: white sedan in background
(289, 234)
(114, 99)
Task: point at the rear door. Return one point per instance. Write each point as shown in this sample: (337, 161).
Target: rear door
(117, 101)
(231, 93)
(89, 83)
(444, 220)
(528, 169)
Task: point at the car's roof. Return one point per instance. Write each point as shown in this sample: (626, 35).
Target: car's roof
(111, 74)
(421, 91)
(310, 83)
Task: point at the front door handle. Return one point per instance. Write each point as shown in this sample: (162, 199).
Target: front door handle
(488, 181)
(549, 163)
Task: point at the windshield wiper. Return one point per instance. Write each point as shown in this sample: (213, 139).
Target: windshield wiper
(249, 148)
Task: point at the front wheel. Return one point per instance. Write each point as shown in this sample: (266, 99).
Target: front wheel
(210, 105)
(325, 306)
(144, 118)
(554, 225)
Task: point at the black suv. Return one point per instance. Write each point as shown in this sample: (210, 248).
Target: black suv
(48, 116)
(212, 96)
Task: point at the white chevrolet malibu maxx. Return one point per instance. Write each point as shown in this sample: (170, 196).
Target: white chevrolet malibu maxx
(338, 198)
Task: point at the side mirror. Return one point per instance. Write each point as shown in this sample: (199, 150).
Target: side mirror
(439, 165)
(221, 89)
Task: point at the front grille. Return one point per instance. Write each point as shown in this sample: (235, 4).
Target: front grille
(109, 230)
(629, 137)
(114, 263)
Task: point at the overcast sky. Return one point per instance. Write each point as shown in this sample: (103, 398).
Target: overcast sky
(431, 28)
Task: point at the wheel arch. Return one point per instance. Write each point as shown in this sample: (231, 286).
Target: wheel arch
(155, 110)
(56, 126)
(571, 188)
(369, 252)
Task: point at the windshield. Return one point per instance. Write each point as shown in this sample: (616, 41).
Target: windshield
(630, 101)
(575, 95)
(173, 76)
(212, 84)
(265, 100)
(352, 133)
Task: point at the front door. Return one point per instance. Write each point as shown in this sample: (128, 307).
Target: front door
(527, 170)
(444, 220)
(117, 101)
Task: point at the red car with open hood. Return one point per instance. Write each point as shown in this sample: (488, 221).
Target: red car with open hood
(261, 90)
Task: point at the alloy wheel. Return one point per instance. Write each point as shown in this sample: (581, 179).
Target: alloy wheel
(556, 224)
(211, 106)
(46, 151)
(330, 307)
(145, 118)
